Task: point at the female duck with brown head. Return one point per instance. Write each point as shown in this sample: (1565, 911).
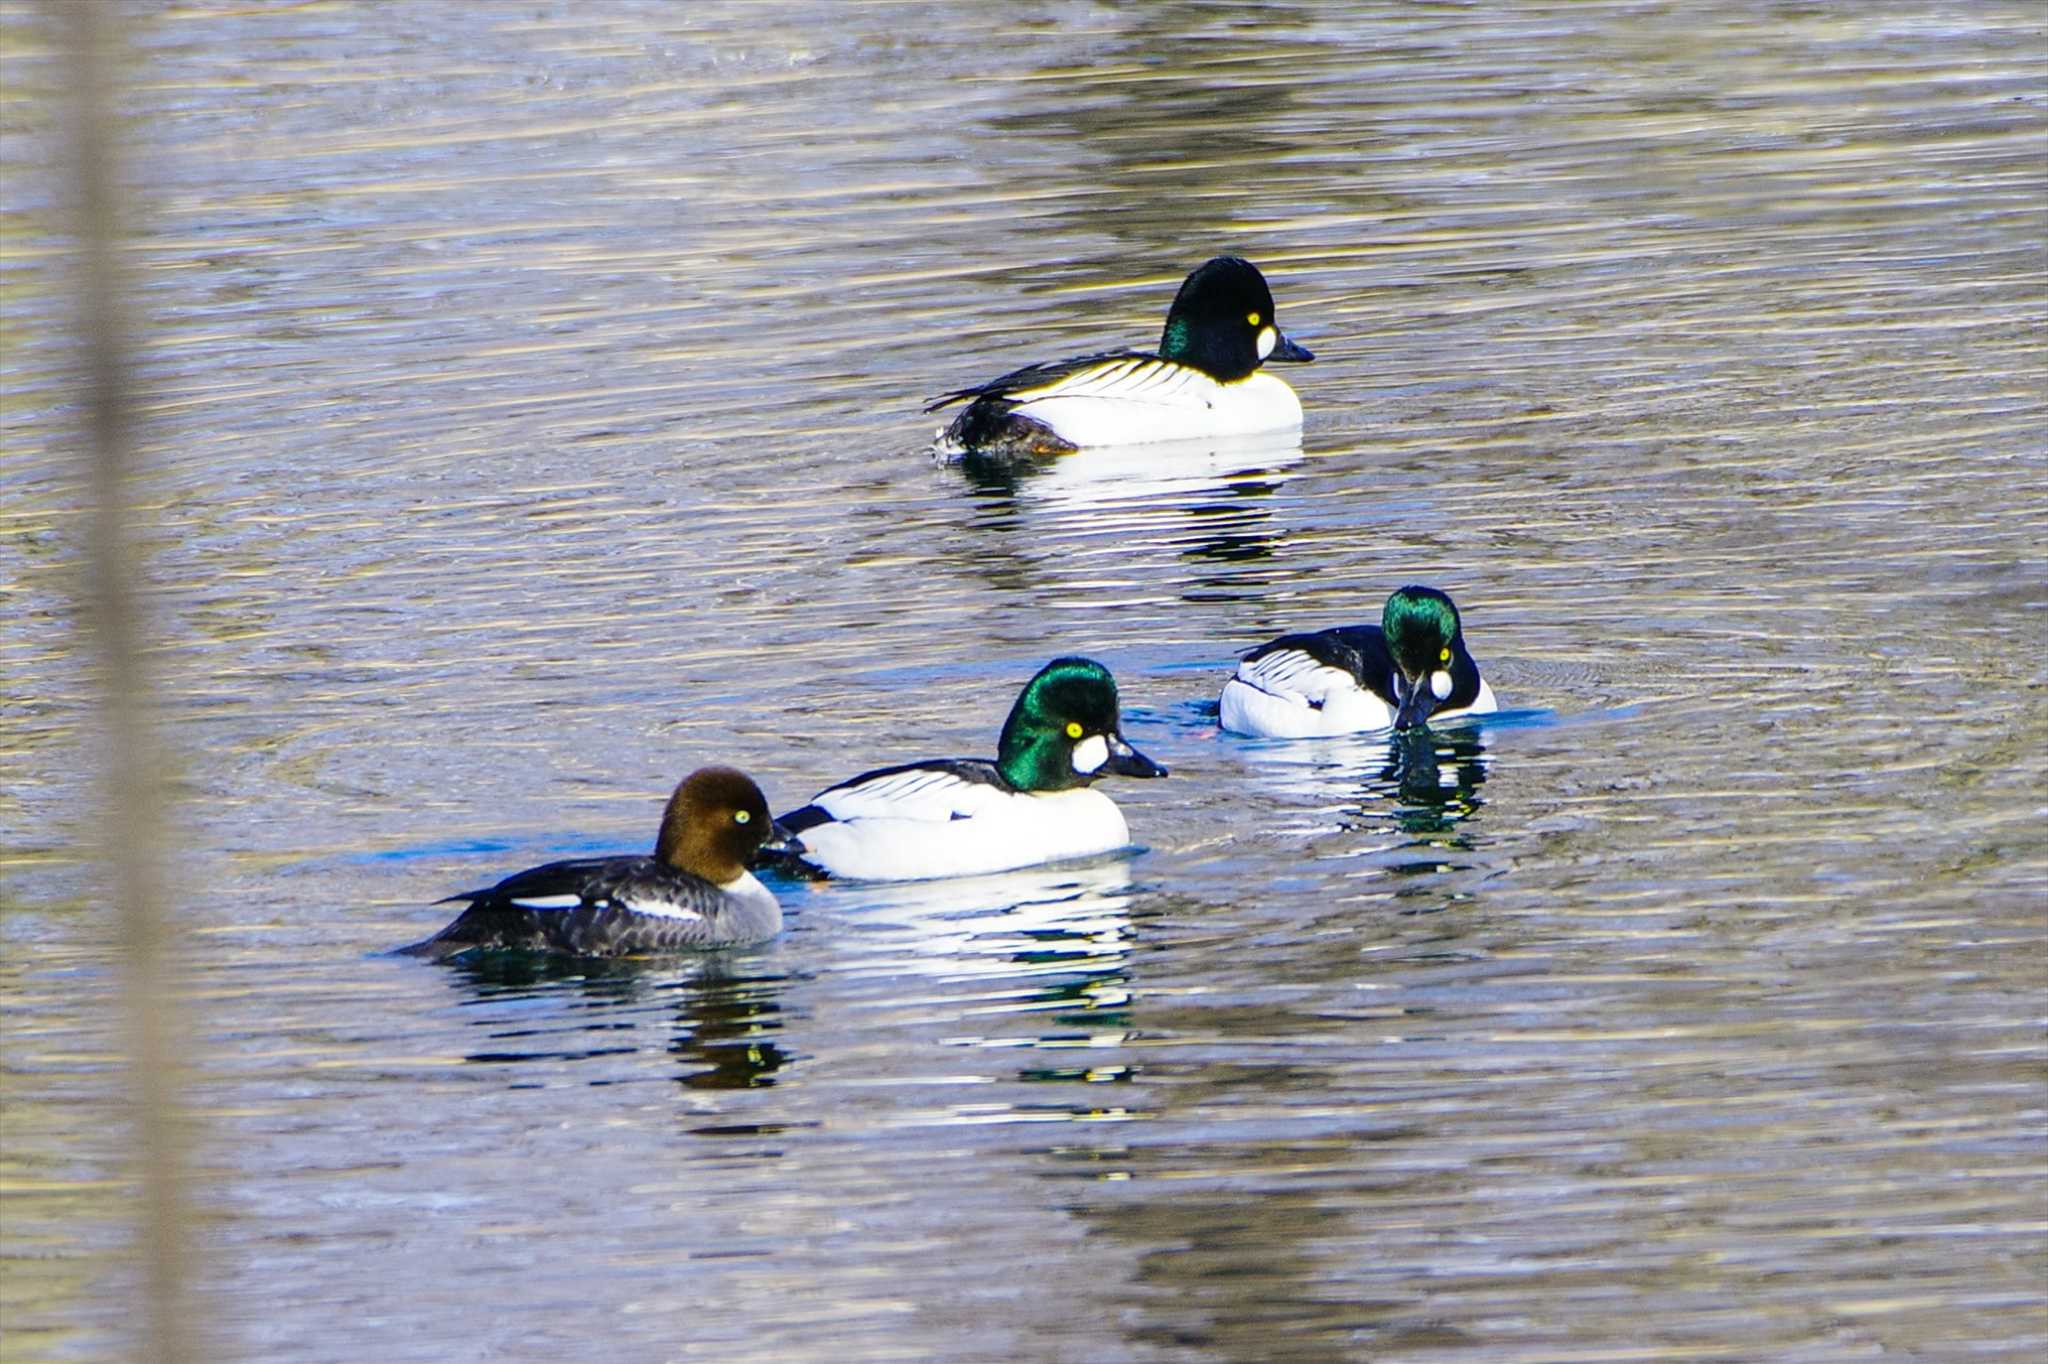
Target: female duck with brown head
(694, 892)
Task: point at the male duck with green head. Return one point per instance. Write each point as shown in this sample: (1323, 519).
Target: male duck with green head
(1205, 381)
(1034, 803)
(1410, 668)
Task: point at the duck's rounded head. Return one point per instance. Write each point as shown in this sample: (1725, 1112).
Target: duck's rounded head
(1423, 635)
(1065, 731)
(1222, 322)
(715, 822)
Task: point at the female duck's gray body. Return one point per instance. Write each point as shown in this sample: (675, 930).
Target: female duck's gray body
(694, 892)
(1411, 667)
(1204, 381)
(968, 816)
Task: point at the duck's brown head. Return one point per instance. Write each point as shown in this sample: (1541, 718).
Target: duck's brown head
(715, 822)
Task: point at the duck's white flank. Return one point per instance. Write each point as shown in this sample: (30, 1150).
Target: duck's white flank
(922, 824)
(1137, 402)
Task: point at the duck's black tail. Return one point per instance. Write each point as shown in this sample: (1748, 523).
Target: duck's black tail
(466, 931)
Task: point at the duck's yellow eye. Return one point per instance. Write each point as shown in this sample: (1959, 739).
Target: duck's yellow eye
(742, 816)
(1253, 318)
(1073, 729)
(1444, 657)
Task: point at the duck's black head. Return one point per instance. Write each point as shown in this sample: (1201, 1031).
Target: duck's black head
(1423, 635)
(715, 822)
(1222, 322)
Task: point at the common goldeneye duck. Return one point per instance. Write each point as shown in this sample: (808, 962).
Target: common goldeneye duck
(966, 816)
(1409, 668)
(1204, 381)
(695, 891)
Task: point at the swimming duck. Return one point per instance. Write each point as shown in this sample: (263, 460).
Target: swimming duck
(694, 892)
(1406, 670)
(965, 816)
(1204, 381)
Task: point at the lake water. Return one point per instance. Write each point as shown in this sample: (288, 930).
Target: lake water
(530, 399)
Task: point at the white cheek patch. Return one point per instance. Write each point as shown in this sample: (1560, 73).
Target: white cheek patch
(1269, 337)
(1440, 684)
(1091, 753)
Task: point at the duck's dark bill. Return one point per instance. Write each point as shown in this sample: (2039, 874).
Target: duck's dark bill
(1289, 349)
(1126, 761)
(1416, 707)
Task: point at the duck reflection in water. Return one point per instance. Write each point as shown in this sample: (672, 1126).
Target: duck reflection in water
(1415, 790)
(1195, 519)
(1166, 473)
(1034, 922)
(542, 1008)
(1036, 965)
(725, 1030)
(1433, 778)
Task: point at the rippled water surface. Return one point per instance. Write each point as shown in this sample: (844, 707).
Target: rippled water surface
(530, 397)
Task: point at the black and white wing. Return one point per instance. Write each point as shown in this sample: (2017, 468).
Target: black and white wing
(591, 906)
(1315, 667)
(940, 792)
(1034, 380)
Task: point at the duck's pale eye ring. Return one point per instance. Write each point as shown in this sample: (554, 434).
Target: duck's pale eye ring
(1074, 729)
(742, 817)
(1444, 656)
(1253, 318)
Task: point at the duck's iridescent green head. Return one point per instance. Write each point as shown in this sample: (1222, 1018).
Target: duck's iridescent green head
(1065, 731)
(1222, 322)
(1423, 635)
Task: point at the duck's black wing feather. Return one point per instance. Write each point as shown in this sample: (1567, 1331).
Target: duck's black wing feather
(1360, 650)
(1034, 376)
(573, 876)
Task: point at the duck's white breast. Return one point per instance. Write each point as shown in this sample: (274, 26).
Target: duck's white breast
(1005, 831)
(1172, 402)
(749, 893)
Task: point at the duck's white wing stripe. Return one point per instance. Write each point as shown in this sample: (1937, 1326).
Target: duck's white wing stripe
(549, 901)
(1291, 672)
(1105, 379)
(921, 793)
(663, 909)
(1157, 378)
(899, 785)
(1096, 381)
(1124, 379)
